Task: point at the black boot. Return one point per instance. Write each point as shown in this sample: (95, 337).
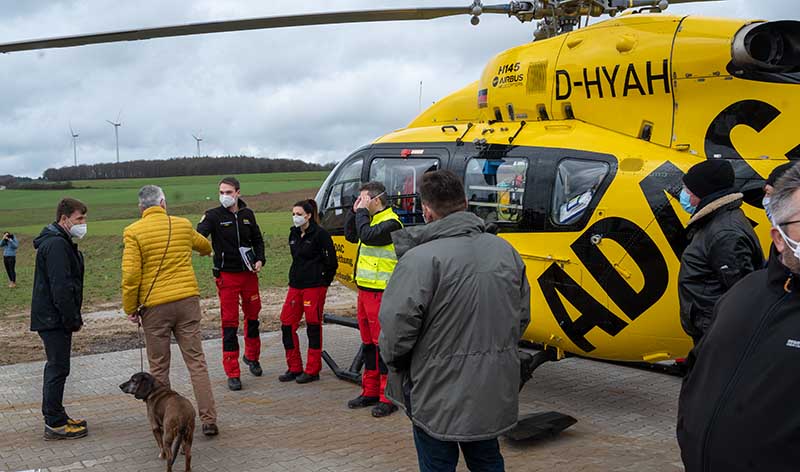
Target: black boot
(255, 366)
(362, 402)
(383, 409)
(305, 378)
(289, 376)
(234, 383)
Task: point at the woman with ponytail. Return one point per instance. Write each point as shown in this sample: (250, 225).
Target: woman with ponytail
(313, 268)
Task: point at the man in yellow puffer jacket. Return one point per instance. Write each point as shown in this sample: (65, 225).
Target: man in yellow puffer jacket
(170, 294)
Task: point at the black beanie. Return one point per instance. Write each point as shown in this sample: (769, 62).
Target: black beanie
(711, 176)
(778, 172)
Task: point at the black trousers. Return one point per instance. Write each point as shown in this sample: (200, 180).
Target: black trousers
(10, 262)
(58, 347)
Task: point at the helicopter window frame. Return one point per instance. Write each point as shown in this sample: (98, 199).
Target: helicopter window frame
(580, 206)
(340, 209)
(407, 205)
(516, 205)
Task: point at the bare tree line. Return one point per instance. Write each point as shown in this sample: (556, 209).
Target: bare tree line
(181, 166)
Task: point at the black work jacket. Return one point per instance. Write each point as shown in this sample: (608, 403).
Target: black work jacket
(723, 249)
(57, 282)
(229, 231)
(738, 404)
(314, 261)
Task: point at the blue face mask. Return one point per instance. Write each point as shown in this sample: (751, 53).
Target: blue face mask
(765, 203)
(686, 202)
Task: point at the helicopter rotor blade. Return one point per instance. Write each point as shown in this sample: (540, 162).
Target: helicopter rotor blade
(311, 19)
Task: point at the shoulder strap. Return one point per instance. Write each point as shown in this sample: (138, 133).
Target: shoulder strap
(158, 271)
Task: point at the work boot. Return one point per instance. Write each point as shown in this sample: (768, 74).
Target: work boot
(210, 429)
(255, 366)
(305, 378)
(362, 402)
(288, 376)
(12, 285)
(78, 423)
(67, 431)
(383, 409)
(234, 383)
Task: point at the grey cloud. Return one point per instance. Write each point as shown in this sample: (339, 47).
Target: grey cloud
(315, 92)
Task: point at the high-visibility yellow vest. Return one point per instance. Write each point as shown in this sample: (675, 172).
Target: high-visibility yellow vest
(376, 263)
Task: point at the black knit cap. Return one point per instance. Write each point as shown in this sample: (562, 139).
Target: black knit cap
(711, 176)
(778, 172)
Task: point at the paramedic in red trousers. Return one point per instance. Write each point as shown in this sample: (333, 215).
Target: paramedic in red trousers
(314, 265)
(233, 226)
(371, 226)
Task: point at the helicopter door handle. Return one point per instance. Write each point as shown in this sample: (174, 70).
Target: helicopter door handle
(446, 127)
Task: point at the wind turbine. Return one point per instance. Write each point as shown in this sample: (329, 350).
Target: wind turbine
(74, 143)
(198, 144)
(116, 131)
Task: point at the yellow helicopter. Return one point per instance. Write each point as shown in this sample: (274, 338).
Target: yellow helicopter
(574, 146)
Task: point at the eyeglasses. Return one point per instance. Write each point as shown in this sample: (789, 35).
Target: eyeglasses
(786, 223)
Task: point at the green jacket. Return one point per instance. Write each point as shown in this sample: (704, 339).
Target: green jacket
(451, 318)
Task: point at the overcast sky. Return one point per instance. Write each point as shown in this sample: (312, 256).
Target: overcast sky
(315, 93)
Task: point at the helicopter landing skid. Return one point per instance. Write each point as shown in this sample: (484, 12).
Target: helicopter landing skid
(540, 426)
(353, 373)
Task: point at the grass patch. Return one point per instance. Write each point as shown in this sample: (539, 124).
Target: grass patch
(103, 255)
(112, 207)
(114, 199)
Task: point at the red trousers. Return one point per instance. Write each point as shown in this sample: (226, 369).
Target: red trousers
(373, 380)
(309, 302)
(232, 288)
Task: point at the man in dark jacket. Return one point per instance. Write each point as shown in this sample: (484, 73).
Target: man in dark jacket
(238, 257)
(452, 316)
(737, 408)
(56, 311)
(723, 247)
(371, 226)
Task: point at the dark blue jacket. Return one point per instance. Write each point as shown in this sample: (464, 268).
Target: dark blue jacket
(57, 282)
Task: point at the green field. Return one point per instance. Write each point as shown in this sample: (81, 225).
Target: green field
(113, 205)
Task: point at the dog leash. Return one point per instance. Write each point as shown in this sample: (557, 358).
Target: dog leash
(141, 344)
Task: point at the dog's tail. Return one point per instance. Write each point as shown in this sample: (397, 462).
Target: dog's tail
(176, 447)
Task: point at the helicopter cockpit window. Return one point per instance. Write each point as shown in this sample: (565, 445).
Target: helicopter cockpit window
(402, 178)
(496, 188)
(577, 181)
(344, 189)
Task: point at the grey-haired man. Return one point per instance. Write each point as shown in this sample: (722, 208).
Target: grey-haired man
(737, 405)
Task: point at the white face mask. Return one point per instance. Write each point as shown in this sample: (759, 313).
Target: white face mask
(227, 201)
(78, 231)
(298, 220)
(765, 203)
(793, 245)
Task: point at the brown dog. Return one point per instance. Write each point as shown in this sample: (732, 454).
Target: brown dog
(171, 416)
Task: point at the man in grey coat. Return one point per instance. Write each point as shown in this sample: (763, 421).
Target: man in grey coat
(452, 315)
